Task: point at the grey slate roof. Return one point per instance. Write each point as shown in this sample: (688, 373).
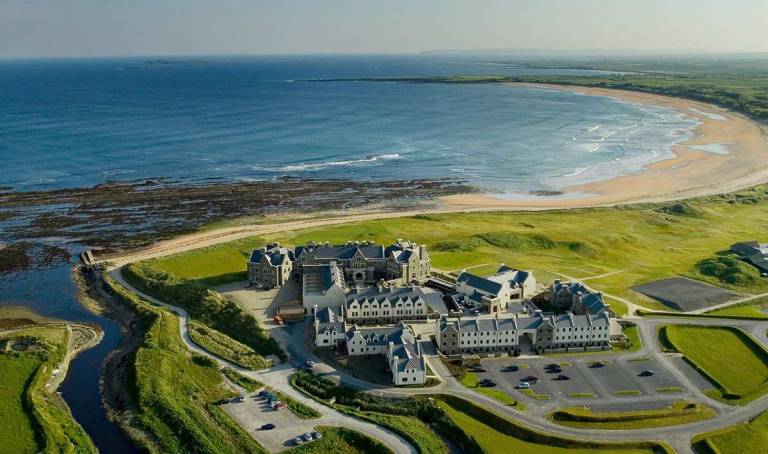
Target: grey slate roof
(478, 282)
(275, 256)
(343, 252)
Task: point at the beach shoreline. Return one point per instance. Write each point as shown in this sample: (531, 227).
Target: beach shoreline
(694, 170)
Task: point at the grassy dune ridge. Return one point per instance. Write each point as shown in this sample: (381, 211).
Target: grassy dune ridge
(176, 391)
(680, 412)
(207, 307)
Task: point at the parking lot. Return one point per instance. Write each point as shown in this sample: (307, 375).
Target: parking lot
(618, 379)
(685, 294)
(254, 412)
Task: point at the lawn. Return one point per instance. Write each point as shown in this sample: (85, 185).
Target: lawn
(679, 412)
(35, 419)
(496, 434)
(342, 441)
(757, 308)
(643, 243)
(741, 438)
(735, 363)
(18, 434)
(213, 265)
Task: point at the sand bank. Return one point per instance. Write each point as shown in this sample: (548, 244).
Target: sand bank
(691, 172)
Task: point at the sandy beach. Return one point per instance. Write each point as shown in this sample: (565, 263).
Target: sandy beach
(691, 172)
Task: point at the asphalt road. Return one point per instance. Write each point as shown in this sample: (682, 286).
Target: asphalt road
(677, 436)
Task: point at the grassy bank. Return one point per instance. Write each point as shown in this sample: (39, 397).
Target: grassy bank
(342, 441)
(34, 418)
(247, 383)
(497, 434)
(741, 438)
(735, 364)
(571, 242)
(408, 418)
(225, 347)
(469, 379)
(206, 307)
(176, 391)
(680, 412)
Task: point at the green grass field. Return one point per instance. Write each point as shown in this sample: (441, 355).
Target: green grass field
(18, 434)
(411, 428)
(757, 308)
(226, 347)
(214, 265)
(680, 412)
(496, 434)
(643, 243)
(33, 419)
(742, 438)
(342, 441)
(247, 383)
(737, 364)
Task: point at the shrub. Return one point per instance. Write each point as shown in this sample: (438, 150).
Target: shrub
(729, 270)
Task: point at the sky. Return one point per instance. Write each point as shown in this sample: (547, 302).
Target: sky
(88, 28)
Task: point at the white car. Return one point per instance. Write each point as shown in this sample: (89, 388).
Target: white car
(523, 385)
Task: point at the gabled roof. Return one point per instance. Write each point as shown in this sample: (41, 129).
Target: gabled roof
(275, 256)
(478, 282)
(342, 252)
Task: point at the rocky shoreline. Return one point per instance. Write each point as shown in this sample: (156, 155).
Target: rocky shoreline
(121, 216)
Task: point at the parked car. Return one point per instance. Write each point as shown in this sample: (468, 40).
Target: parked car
(552, 366)
(646, 373)
(511, 368)
(597, 365)
(307, 436)
(268, 426)
(562, 377)
(297, 441)
(531, 379)
(239, 399)
(554, 370)
(247, 285)
(479, 368)
(317, 435)
(523, 385)
(487, 383)
(280, 406)
(223, 402)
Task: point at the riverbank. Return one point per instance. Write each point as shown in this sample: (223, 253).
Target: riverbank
(728, 152)
(35, 355)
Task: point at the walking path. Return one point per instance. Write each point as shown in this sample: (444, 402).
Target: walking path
(278, 377)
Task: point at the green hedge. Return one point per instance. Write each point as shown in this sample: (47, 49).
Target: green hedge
(203, 305)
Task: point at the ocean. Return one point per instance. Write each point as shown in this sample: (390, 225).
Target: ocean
(78, 123)
(74, 123)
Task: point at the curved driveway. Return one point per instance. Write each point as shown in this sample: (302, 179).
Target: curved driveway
(277, 377)
(677, 436)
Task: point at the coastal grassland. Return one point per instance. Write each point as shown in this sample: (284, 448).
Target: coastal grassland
(34, 418)
(728, 357)
(206, 307)
(741, 438)
(633, 335)
(680, 412)
(342, 441)
(755, 308)
(175, 391)
(415, 420)
(212, 265)
(497, 434)
(638, 243)
(225, 347)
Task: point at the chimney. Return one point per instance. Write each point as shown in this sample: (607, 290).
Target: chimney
(422, 251)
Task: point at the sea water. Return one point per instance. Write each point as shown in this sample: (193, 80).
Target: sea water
(72, 123)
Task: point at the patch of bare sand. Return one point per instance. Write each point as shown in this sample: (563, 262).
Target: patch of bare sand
(689, 173)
